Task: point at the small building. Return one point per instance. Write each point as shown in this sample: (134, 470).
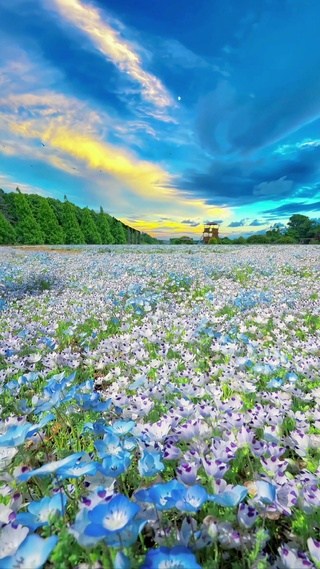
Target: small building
(211, 229)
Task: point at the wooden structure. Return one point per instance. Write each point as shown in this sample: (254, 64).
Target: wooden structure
(211, 229)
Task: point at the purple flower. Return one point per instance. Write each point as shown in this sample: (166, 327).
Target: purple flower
(247, 515)
(187, 473)
(314, 550)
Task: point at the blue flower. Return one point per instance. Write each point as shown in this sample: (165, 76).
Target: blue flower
(111, 517)
(179, 557)
(161, 495)
(32, 553)
(230, 498)
(150, 463)
(80, 468)
(15, 435)
(110, 444)
(266, 492)
(128, 536)
(51, 467)
(115, 464)
(121, 427)
(190, 499)
(39, 512)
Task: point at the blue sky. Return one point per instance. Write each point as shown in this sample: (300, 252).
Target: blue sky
(165, 113)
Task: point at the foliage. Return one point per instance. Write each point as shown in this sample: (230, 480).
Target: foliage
(70, 225)
(7, 232)
(213, 241)
(27, 229)
(104, 228)
(89, 229)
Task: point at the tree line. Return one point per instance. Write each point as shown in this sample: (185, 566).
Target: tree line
(30, 219)
(300, 229)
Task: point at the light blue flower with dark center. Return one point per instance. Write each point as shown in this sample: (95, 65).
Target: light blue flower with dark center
(32, 553)
(179, 557)
(38, 513)
(15, 435)
(114, 465)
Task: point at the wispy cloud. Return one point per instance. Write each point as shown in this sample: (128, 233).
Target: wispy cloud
(124, 54)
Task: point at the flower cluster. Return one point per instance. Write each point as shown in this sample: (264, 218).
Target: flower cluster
(160, 408)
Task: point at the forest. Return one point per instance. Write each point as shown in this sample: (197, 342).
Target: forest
(30, 219)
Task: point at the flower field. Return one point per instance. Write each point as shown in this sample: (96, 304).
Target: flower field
(160, 407)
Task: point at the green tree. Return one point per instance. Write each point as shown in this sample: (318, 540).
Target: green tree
(10, 206)
(104, 228)
(57, 207)
(53, 232)
(213, 241)
(72, 231)
(274, 233)
(286, 240)
(28, 229)
(119, 233)
(7, 232)
(89, 228)
(300, 226)
(258, 239)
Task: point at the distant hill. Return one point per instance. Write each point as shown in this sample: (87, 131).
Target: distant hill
(30, 219)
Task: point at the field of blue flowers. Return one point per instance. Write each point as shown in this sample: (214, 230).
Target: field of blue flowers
(160, 407)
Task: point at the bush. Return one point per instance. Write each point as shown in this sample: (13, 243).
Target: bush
(286, 240)
(213, 241)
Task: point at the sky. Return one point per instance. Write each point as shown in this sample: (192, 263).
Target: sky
(167, 113)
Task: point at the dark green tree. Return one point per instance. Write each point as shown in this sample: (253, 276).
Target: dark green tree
(300, 226)
(57, 207)
(53, 232)
(119, 233)
(71, 229)
(104, 228)
(10, 207)
(89, 228)
(7, 233)
(28, 229)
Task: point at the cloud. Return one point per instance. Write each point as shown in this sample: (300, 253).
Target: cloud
(257, 223)
(289, 209)
(124, 54)
(274, 188)
(190, 222)
(240, 223)
(247, 181)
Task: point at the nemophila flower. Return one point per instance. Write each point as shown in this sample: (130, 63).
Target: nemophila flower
(150, 463)
(187, 473)
(292, 558)
(215, 468)
(190, 499)
(6, 456)
(179, 557)
(314, 550)
(82, 467)
(161, 495)
(32, 553)
(128, 535)
(11, 537)
(111, 517)
(121, 428)
(266, 492)
(229, 498)
(15, 435)
(39, 513)
(51, 467)
(110, 444)
(114, 465)
(247, 515)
